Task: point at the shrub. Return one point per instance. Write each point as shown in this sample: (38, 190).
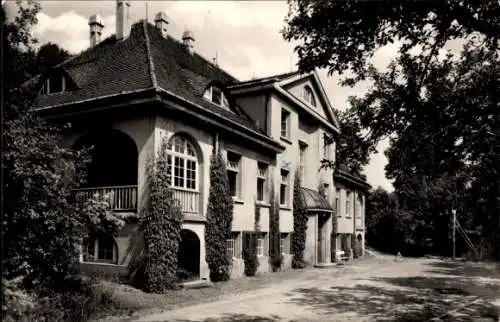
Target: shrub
(276, 258)
(299, 224)
(154, 266)
(250, 246)
(219, 220)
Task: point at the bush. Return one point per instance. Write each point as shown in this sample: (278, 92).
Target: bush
(299, 225)
(219, 220)
(276, 258)
(154, 266)
(250, 246)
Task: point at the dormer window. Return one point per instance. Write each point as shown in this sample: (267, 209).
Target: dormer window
(216, 96)
(53, 84)
(309, 96)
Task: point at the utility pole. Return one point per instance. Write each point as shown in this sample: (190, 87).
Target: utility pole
(454, 212)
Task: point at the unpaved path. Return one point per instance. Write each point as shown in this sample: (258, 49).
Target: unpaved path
(412, 289)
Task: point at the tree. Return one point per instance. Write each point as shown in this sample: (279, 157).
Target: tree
(440, 112)
(299, 224)
(48, 56)
(343, 35)
(219, 220)
(41, 233)
(250, 245)
(154, 268)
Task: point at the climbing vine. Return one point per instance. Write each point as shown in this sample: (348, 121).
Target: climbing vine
(219, 220)
(299, 224)
(160, 224)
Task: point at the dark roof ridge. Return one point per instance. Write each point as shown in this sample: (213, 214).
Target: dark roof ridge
(152, 73)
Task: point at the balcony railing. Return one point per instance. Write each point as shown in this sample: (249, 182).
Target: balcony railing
(123, 198)
(189, 201)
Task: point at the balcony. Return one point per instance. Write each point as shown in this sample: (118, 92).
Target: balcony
(188, 200)
(123, 198)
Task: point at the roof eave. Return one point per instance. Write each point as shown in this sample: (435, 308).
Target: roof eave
(251, 134)
(344, 176)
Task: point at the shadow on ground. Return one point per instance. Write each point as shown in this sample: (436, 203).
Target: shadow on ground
(466, 269)
(398, 299)
(235, 317)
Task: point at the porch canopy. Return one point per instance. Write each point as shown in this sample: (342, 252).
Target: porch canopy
(315, 202)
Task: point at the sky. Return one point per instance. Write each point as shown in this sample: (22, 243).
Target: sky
(244, 35)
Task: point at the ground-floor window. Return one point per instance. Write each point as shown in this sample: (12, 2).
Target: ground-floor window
(285, 243)
(260, 245)
(233, 245)
(101, 248)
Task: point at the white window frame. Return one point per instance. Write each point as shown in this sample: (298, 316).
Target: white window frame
(186, 157)
(235, 166)
(260, 245)
(337, 202)
(230, 247)
(286, 122)
(95, 254)
(46, 86)
(302, 159)
(262, 176)
(348, 196)
(209, 96)
(308, 95)
(285, 183)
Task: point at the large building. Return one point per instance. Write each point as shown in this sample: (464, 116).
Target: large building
(125, 94)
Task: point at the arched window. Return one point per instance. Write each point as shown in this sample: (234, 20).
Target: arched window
(100, 248)
(309, 96)
(183, 163)
(216, 96)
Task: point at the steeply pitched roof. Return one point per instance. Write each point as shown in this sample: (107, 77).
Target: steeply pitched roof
(144, 60)
(263, 80)
(315, 201)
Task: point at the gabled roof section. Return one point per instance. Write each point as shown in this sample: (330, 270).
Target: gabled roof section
(264, 80)
(313, 76)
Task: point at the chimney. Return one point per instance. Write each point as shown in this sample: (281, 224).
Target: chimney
(188, 41)
(96, 26)
(161, 22)
(122, 13)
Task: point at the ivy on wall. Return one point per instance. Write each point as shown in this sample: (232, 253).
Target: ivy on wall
(219, 220)
(160, 224)
(299, 224)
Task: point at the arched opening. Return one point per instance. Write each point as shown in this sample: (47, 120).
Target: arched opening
(112, 168)
(114, 158)
(185, 168)
(100, 248)
(309, 95)
(188, 256)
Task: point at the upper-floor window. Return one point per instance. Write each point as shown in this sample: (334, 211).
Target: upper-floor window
(53, 84)
(337, 201)
(216, 96)
(309, 96)
(348, 203)
(284, 187)
(285, 123)
(183, 163)
(234, 173)
(302, 159)
(261, 180)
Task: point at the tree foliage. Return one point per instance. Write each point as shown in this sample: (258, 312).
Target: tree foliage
(219, 220)
(299, 224)
(439, 111)
(343, 35)
(160, 224)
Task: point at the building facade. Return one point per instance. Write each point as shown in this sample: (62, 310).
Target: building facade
(127, 94)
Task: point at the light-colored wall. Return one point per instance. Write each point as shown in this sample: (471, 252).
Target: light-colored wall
(349, 223)
(296, 89)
